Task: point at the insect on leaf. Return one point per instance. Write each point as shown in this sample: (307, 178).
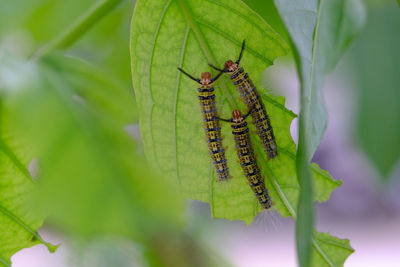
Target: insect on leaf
(169, 109)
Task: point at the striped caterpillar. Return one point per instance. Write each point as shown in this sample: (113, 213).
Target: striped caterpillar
(211, 125)
(253, 101)
(247, 158)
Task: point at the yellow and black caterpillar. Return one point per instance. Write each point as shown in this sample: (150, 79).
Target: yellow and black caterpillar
(211, 125)
(254, 103)
(247, 158)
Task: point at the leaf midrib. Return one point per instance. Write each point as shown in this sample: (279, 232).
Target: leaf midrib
(5, 262)
(310, 89)
(226, 36)
(335, 244)
(174, 114)
(19, 222)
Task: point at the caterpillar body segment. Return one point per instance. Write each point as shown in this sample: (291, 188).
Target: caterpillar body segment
(211, 123)
(247, 158)
(254, 103)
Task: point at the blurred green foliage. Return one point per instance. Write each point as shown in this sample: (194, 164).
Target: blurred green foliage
(375, 64)
(85, 153)
(91, 180)
(29, 24)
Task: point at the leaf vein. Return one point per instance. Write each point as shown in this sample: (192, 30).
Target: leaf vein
(226, 36)
(8, 152)
(322, 252)
(174, 114)
(235, 11)
(5, 262)
(151, 106)
(19, 222)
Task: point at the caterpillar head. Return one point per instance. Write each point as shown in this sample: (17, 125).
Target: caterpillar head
(236, 115)
(205, 78)
(230, 66)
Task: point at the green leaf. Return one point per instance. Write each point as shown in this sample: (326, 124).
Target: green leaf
(177, 35)
(376, 77)
(331, 251)
(80, 26)
(320, 34)
(30, 24)
(18, 224)
(320, 31)
(168, 34)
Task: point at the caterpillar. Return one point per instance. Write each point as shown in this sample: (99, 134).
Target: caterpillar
(211, 125)
(247, 158)
(253, 101)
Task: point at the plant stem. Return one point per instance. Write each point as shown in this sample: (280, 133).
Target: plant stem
(78, 28)
(305, 208)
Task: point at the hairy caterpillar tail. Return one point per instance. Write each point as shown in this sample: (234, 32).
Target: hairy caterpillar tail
(247, 158)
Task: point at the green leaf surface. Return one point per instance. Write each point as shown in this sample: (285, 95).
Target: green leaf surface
(18, 224)
(329, 250)
(320, 31)
(180, 33)
(28, 25)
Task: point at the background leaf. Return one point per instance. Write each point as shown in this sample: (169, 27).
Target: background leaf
(374, 60)
(26, 29)
(320, 31)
